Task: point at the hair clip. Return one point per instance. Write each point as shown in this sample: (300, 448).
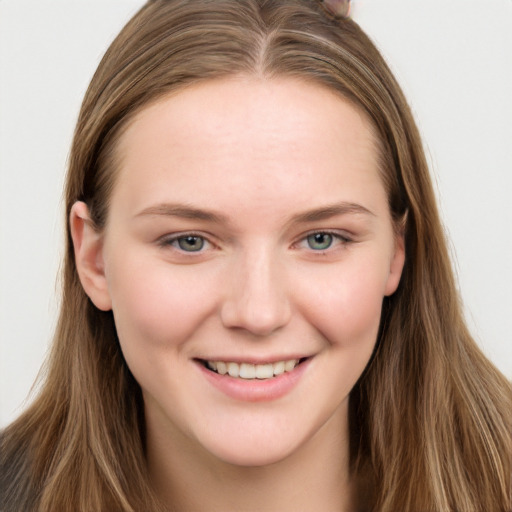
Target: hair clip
(337, 8)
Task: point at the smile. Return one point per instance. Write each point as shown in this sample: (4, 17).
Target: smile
(250, 382)
(252, 371)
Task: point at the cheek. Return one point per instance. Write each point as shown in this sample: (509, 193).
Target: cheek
(347, 308)
(156, 304)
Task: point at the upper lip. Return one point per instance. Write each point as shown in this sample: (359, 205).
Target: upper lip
(254, 360)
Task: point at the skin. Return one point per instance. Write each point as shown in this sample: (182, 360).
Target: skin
(259, 156)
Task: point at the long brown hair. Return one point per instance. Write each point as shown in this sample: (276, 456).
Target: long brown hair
(430, 417)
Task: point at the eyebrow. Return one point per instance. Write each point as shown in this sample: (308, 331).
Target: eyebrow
(333, 210)
(190, 212)
(184, 211)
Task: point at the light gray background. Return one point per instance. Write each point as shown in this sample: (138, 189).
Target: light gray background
(452, 57)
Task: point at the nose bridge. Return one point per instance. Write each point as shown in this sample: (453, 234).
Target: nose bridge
(256, 298)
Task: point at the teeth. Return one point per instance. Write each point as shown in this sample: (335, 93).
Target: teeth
(289, 365)
(247, 371)
(252, 371)
(264, 371)
(279, 367)
(234, 369)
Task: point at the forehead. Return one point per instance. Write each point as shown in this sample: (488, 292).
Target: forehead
(249, 136)
(215, 107)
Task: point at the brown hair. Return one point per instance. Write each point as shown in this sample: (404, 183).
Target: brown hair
(430, 417)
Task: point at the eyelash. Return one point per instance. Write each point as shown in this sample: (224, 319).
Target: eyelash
(174, 240)
(337, 240)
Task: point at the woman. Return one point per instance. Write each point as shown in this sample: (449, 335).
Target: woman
(259, 311)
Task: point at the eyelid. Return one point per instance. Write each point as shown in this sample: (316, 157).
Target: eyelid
(342, 236)
(166, 241)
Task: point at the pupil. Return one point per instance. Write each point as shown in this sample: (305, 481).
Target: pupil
(320, 241)
(191, 243)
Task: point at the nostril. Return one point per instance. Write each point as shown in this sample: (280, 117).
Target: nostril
(261, 318)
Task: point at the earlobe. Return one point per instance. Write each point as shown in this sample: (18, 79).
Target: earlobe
(396, 266)
(88, 246)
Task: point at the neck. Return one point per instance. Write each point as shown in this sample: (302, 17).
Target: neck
(314, 477)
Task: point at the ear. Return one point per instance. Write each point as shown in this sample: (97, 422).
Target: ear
(396, 266)
(88, 245)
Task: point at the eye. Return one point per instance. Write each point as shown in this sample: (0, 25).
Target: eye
(187, 242)
(190, 243)
(320, 241)
(323, 241)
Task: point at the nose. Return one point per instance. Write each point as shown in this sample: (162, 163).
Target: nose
(256, 300)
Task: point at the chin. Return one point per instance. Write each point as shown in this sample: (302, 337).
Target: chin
(253, 459)
(251, 452)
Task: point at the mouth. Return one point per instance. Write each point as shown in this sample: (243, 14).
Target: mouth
(248, 381)
(249, 371)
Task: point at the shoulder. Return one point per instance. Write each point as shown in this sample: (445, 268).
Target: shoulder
(16, 492)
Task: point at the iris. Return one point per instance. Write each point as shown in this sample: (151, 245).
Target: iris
(191, 243)
(320, 241)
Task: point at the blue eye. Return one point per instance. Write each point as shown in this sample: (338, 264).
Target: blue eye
(190, 243)
(319, 241)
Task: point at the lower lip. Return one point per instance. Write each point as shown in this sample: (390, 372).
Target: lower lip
(256, 390)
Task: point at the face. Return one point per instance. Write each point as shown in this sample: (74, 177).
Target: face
(246, 256)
